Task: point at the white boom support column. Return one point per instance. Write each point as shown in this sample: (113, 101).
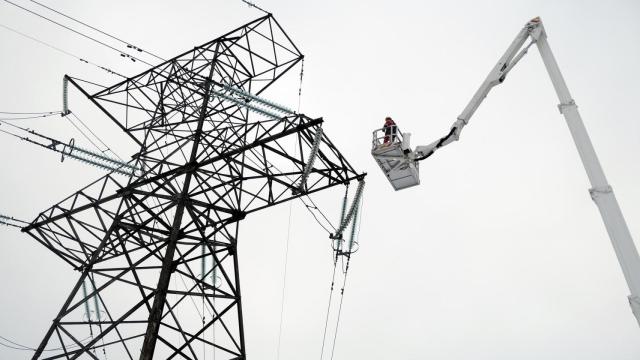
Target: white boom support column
(601, 192)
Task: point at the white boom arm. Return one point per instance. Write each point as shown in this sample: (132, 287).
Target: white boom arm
(601, 192)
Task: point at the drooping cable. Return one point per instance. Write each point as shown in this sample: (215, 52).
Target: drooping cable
(344, 283)
(99, 160)
(326, 320)
(83, 134)
(107, 147)
(122, 53)
(18, 346)
(62, 51)
(336, 248)
(30, 113)
(11, 116)
(284, 279)
(284, 274)
(203, 265)
(309, 208)
(341, 253)
(128, 44)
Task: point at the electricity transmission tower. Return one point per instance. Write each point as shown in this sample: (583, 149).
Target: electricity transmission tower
(212, 151)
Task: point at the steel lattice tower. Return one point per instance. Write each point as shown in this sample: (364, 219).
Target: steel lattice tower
(208, 161)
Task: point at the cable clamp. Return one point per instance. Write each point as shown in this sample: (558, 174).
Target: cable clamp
(569, 105)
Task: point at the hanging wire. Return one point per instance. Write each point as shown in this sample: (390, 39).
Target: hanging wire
(129, 45)
(70, 150)
(326, 320)
(27, 348)
(29, 113)
(336, 248)
(202, 272)
(359, 203)
(122, 53)
(309, 208)
(284, 275)
(344, 283)
(62, 51)
(107, 147)
(356, 213)
(26, 117)
(83, 134)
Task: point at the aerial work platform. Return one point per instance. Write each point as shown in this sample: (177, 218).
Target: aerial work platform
(390, 148)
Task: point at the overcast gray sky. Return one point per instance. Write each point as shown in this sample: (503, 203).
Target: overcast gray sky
(498, 254)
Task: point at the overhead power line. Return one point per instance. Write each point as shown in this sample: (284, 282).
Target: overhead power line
(26, 116)
(99, 160)
(129, 45)
(122, 53)
(30, 113)
(18, 346)
(61, 50)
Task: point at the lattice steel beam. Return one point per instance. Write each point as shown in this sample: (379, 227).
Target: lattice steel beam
(208, 163)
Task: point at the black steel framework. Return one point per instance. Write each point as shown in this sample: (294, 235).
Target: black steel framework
(208, 162)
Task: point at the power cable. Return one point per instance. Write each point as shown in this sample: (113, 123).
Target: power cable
(70, 150)
(284, 276)
(122, 53)
(129, 45)
(107, 147)
(326, 321)
(336, 246)
(27, 348)
(14, 118)
(31, 113)
(62, 51)
(315, 207)
(309, 208)
(83, 134)
(344, 283)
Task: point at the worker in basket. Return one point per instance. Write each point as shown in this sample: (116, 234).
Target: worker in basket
(389, 130)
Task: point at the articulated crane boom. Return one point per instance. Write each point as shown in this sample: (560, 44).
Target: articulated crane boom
(400, 163)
